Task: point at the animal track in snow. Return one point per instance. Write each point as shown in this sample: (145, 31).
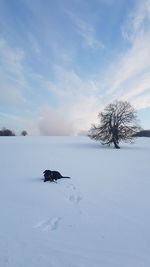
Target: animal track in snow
(48, 225)
(75, 198)
(72, 194)
(71, 186)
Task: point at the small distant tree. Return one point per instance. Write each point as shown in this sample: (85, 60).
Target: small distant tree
(24, 133)
(118, 122)
(6, 132)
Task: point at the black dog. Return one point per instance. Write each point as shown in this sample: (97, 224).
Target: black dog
(53, 176)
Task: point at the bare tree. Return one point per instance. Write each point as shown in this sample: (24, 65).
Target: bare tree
(24, 133)
(118, 122)
(6, 132)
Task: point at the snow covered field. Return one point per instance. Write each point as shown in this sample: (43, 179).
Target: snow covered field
(98, 218)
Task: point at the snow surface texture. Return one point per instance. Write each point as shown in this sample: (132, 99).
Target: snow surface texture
(98, 218)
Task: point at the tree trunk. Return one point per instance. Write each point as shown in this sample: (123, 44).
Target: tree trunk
(115, 144)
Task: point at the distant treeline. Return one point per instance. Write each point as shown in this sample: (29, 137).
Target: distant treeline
(143, 133)
(7, 132)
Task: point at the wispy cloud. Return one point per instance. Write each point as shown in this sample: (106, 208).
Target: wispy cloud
(86, 30)
(11, 59)
(70, 83)
(11, 73)
(77, 97)
(132, 63)
(129, 74)
(137, 21)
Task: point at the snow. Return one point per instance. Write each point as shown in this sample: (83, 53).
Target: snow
(99, 217)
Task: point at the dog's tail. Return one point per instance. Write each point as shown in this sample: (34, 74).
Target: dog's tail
(66, 177)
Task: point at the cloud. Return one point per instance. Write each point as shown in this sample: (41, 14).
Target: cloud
(10, 94)
(129, 73)
(72, 118)
(51, 122)
(11, 59)
(84, 112)
(86, 31)
(69, 84)
(137, 21)
(11, 74)
(77, 97)
(132, 63)
(142, 101)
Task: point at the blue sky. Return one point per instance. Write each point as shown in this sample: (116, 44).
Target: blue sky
(62, 61)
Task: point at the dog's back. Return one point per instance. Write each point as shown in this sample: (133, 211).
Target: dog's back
(56, 175)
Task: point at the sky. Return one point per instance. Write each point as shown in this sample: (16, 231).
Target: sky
(63, 61)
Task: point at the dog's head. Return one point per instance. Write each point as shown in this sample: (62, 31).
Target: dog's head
(47, 175)
(47, 172)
